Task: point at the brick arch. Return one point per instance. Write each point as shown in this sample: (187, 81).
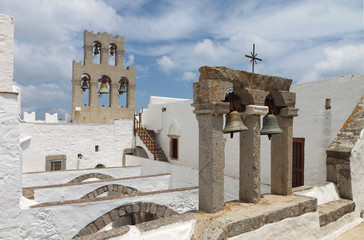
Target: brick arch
(137, 211)
(124, 190)
(83, 177)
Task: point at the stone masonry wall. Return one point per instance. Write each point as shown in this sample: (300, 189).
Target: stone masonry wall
(339, 152)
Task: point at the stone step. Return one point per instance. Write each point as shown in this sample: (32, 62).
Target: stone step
(332, 211)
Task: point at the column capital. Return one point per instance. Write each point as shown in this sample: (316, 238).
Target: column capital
(288, 112)
(256, 110)
(211, 108)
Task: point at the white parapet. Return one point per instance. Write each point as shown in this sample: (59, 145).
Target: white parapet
(49, 118)
(29, 117)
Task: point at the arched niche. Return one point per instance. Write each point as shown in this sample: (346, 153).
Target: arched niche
(85, 88)
(104, 96)
(112, 54)
(123, 92)
(96, 51)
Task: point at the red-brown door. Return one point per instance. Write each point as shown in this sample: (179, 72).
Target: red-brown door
(298, 163)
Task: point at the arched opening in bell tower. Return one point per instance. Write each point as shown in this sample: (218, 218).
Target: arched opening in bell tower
(112, 54)
(104, 91)
(85, 88)
(123, 92)
(96, 50)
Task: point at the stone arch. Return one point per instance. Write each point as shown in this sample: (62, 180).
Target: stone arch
(116, 189)
(138, 212)
(85, 88)
(91, 175)
(112, 54)
(140, 152)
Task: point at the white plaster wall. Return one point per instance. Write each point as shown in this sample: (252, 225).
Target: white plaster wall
(59, 222)
(324, 193)
(131, 160)
(7, 53)
(72, 139)
(51, 118)
(357, 173)
(10, 154)
(60, 177)
(77, 191)
(319, 126)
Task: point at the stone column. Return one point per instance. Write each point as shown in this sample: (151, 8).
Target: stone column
(281, 154)
(119, 58)
(93, 94)
(87, 55)
(211, 156)
(76, 93)
(104, 56)
(130, 101)
(114, 94)
(249, 168)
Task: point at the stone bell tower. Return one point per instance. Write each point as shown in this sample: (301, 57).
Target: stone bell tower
(96, 72)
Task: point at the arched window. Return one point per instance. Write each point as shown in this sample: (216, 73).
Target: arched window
(96, 52)
(104, 91)
(123, 92)
(85, 88)
(112, 54)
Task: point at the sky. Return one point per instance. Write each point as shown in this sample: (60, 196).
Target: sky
(168, 41)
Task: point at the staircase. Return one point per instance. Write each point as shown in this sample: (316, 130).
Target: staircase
(149, 139)
(159, 153)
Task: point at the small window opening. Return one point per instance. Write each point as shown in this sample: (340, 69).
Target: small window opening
(96, 148)
(56, 165)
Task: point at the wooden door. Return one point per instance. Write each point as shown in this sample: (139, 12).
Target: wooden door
(298, 163)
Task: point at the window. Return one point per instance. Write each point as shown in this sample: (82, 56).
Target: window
(96, 148)
(56, 165)
(173, 147)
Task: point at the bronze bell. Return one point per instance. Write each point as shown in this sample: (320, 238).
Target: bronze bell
(270, 126)
(122, 89)
(234, 123)
(103, 89)
(84, 86)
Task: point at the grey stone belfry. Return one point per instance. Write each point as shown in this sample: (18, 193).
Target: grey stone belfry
(107, 46)
(253, 90)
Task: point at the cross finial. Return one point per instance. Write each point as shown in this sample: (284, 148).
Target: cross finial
(253, 57)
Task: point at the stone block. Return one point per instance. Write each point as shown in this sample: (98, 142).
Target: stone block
(153, 208)
(161, 210)
(331, 173)
(92, 228)
(284, 98)
(308, 206)
(124, 189)
(147, 210)
(143, 207)
(128, 191)
(114, 214)
(107, 219)
(99, 223)
(84, 231)
(128, 209)
(100, 191)
(135, 207)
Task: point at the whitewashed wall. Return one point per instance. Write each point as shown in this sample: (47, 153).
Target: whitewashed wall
(72, 139)
(317, 125)
(74, 192)
(357, 173)
(59, 222)
(10, 154)
(61, 177)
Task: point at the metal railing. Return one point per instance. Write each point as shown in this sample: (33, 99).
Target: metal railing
(144, 136)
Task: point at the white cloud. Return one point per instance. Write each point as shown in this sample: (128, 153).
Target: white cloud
(130, 61)
(189, 76)
(165, 63)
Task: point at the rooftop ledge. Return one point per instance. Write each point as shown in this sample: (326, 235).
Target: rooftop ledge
(236, 218)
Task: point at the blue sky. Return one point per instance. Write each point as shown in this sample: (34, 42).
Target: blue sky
(167, 41)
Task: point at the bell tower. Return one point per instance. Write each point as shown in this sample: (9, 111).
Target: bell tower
(103, 80)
